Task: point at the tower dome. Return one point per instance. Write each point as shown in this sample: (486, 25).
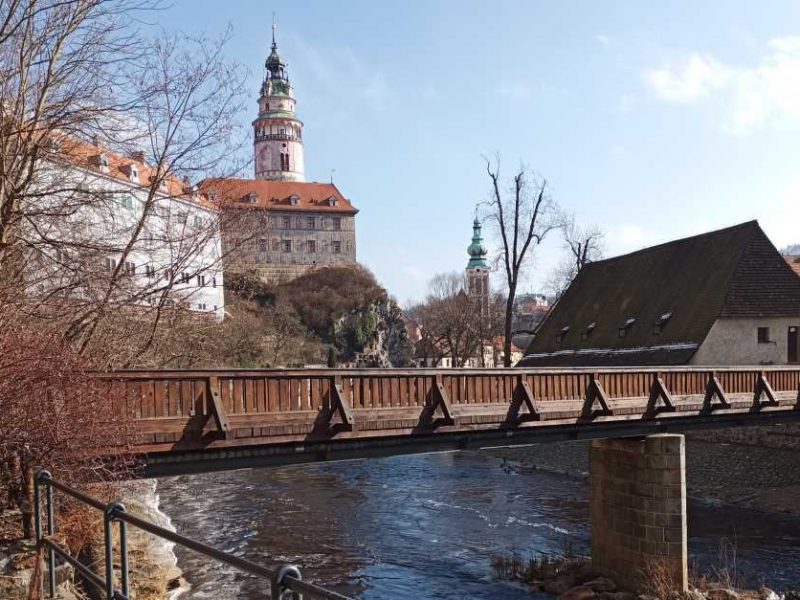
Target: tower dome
(476, 250)
(277, 132)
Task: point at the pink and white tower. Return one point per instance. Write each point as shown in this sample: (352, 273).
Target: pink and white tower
(278, 133)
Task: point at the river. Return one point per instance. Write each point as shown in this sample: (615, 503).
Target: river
(427, 526)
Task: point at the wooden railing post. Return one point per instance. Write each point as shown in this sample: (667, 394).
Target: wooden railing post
(217, 407)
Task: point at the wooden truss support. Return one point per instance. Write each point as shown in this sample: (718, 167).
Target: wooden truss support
(797, 402)
(595, 394)
(523, 396)
(441, 401)
(218, 408)
(714, 390)
(763, 388)
(339, 404)
(659, 391)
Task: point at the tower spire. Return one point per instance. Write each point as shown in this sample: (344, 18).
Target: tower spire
(274, 27)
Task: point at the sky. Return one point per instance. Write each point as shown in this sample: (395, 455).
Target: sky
(651, 121)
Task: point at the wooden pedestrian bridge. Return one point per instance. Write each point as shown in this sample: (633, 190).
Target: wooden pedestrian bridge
(202, 420)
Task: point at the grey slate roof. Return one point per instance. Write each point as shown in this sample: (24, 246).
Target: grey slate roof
(733, 272)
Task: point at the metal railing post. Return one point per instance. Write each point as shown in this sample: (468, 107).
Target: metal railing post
(116, 508)
(108, 522)
(276, 584)
(51, 529)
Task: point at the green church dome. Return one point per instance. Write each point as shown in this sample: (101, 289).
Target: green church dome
(476, 250)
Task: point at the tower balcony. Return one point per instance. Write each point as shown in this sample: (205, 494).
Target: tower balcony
(280, 137)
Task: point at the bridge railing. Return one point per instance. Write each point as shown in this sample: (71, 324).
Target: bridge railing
(186, 407)
(283, 580)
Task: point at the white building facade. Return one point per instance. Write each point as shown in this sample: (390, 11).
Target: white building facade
(159, 243)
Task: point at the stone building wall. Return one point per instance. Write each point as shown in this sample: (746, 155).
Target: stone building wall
(280, 245)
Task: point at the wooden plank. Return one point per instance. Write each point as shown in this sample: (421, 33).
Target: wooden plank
(218, 409)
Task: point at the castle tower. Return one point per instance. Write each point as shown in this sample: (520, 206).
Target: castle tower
(478, 269)
(277, 132)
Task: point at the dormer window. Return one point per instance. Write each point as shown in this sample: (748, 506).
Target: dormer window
(103, 162)
(626, 327)
(332, 201)
(162, 185)
(588, 331)
(134, 173)
(661, 322)
(563, 333)
(294, 199)
(252, 197)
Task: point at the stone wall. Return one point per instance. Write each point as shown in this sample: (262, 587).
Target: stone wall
(281, 245)
(638, 507)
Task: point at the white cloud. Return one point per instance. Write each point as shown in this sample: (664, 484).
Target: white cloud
(750, 96)
(603, 40)
(695, 79)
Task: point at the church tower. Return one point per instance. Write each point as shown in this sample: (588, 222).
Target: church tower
(277, 132)
(478, 269)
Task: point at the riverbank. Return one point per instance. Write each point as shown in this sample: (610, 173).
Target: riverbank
(736, 473)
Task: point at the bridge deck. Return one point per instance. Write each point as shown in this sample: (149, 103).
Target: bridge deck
(241, 418)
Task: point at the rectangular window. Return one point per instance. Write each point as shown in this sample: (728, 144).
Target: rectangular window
(198, 221)
(286, 246)
(763, 335)
(311, 246)
(201, 281)
(263, 245)
(311, 223)
(111, 264)
(185, 277)
(213, 282)
(275, 245)
(162, 211)
(286, 223)
(181, 217)
(336, 247)
(150, 271)
(337, 224)
(130, 268)
(127, 202)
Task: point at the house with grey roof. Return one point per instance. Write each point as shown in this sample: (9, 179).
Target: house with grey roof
(726, 297)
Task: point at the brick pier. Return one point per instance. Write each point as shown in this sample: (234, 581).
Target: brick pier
(638, 507)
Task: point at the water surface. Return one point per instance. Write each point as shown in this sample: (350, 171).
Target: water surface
(425, 526)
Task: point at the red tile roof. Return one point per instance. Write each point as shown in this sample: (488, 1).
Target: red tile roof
(794, 262)
(277, 195)
(87, 156)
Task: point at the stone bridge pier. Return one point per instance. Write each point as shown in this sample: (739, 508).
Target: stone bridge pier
(638, 508)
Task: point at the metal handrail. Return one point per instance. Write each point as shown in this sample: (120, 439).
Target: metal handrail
(285, 579)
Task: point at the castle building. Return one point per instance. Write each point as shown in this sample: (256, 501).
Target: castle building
(278, 226)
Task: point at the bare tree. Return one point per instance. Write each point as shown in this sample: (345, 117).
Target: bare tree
(523, 214)
(583, 245)
(449, 320)
(76, 77)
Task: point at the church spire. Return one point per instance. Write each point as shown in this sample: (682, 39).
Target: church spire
(476, 250)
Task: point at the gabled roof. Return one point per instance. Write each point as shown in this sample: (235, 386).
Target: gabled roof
(277, 195)
(686, 285)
